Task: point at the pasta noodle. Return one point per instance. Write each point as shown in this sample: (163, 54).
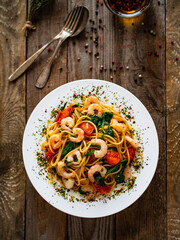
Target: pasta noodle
(89, 146)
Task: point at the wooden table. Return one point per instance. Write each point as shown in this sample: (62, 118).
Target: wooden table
(148, 45)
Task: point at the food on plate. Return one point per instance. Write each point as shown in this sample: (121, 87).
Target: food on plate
(90, 147)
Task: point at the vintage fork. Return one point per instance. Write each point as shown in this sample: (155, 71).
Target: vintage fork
(69, 27)
(67, 31)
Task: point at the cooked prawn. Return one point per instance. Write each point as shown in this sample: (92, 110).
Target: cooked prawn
(96, 168)
(44, 145)
(60, 168)
(88, 188)
(120, 127)
(67, 123)
(133, 142)
(55, 141)
(102, 152)
(68, 183)
(80, 135)
(71, 156)
(95, 108)
(127, 173)
(91, 99)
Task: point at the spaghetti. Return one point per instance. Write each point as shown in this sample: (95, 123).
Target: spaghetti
(90, 148)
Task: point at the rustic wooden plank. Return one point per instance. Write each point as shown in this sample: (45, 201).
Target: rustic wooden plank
(146, 219)
(42, 220)
(12, 120)
(81, 228)
(173, 124)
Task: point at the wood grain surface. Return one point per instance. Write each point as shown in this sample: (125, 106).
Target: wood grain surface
(108, 42)
(173, 119)
(12, 120)
(48, 223)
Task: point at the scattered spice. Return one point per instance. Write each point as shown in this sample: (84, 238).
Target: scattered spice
(143, 68)
(149, 53)
(126, 6)
(49, 49)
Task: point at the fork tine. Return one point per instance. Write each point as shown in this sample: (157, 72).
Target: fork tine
(77, 20)
(70, 20)
(74, 18)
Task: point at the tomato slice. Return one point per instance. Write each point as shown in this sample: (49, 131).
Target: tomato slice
(49, 155)
(87, 128)
(65, 113)
(131, 153)
(102, 189)
(113, 157)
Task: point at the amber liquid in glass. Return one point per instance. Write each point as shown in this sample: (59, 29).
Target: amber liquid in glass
(127, 6)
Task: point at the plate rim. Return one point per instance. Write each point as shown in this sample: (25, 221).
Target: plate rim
(101, 82)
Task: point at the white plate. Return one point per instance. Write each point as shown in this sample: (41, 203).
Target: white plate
(148, 134)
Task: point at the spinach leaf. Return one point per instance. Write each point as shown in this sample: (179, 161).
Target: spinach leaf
(89, 153)
(107, 116)
(113, 169)
(69, 147)
(95, 146)
(119, 177)
(96, 120)
(124, 162)
(112, 148)
(99, 179)
(75, 105)
(67, 163)
(101, 121)
(81, 113)
(63, 107)
(110, 132)
(81, 191)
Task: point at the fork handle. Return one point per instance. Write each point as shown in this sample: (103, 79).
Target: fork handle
(23, 67)
(44, 75)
